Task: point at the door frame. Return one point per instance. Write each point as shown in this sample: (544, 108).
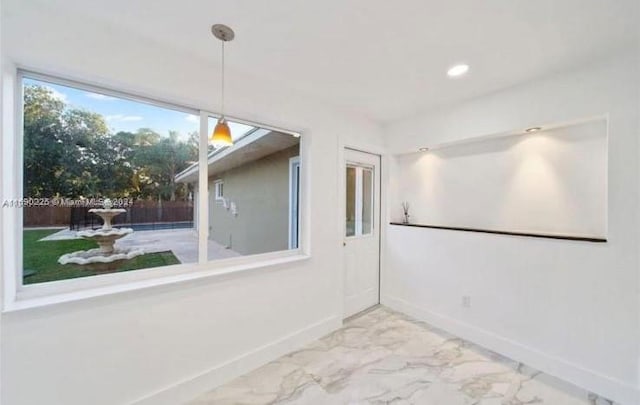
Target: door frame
(342, 164)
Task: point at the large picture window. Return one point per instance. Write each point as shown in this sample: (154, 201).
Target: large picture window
(111, 184)
(90, 156)
(249, 204)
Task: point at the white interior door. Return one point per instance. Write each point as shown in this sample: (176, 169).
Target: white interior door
(361, 231)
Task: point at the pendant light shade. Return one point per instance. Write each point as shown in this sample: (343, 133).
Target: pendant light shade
(221, 135)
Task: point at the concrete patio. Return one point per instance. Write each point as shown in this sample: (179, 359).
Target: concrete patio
(183, 243)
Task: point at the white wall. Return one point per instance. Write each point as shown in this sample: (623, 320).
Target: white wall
(573, 307)
(569, 308)
(553, 181)
(2, 132)
(122, 348)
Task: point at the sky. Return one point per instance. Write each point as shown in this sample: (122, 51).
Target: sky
(126, 115)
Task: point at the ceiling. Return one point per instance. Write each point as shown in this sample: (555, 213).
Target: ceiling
(384, 59)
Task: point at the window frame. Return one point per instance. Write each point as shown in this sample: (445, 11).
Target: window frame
(294, 202)
(218, 190)
(18, 296)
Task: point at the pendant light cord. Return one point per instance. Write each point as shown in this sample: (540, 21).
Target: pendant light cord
(222, 84)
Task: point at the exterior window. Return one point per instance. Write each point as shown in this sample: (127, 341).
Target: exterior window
(111, 184)
(250, 212)
(99, 191)
(219, 190)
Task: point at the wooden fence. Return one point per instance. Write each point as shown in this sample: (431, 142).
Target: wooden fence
(46, 216)
(148, 213)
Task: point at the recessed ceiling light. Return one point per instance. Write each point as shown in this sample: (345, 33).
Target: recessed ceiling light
(533, 129)
(457, 70)
(423, 149)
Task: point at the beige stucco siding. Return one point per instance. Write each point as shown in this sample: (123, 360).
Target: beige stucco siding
(260, 190)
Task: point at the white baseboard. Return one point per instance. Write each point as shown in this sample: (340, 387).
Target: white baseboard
(590, 380)
(191, 387)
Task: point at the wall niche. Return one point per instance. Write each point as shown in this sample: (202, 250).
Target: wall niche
(552, 181)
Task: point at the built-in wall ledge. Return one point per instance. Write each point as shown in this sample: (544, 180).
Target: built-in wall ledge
(525, 234)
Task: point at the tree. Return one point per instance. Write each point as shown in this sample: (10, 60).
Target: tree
(162, 161)
(60, 146)
(70, 152)
(43, 147)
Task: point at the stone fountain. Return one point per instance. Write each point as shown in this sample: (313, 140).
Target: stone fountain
(107, 257)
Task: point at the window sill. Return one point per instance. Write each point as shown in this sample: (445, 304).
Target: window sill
(201, 272)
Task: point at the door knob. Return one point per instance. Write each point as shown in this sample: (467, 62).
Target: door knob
(344, 243)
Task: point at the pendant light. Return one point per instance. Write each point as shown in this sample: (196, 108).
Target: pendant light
(221, 135)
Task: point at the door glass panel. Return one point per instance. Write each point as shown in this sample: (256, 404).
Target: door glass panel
(367, 201)
(351, 201)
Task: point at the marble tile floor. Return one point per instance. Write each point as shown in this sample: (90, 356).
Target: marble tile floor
(385, 357)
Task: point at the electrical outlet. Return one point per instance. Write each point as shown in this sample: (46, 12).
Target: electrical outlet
(466, 301)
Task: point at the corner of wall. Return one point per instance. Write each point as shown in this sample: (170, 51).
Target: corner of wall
(219, 374)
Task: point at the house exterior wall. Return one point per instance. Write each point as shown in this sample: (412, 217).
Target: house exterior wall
(260, 191)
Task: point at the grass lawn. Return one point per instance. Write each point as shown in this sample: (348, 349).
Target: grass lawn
(42, 257)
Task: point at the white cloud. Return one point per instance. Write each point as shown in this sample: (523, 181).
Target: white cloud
(192, 118)
(97, 96)
(123, 118)
(58, 95)
(132, 118)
